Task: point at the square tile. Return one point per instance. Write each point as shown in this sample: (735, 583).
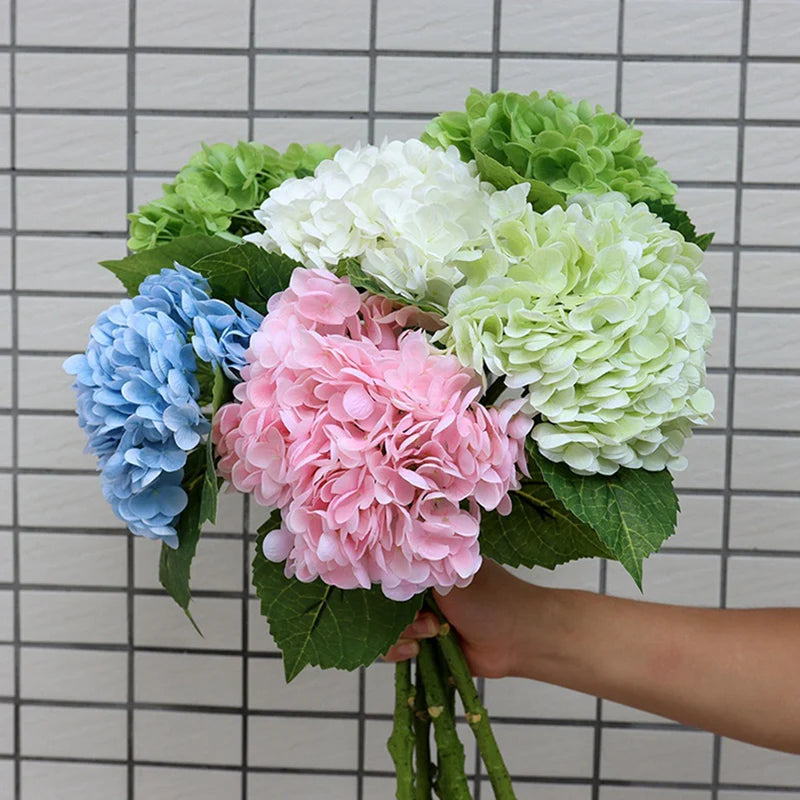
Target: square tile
(594, 81)
(671, 578)
(583, 574)
(280, 133)
(556, 751)
(71, 80)
(43, 384)
(427, 85)
(656, 755)
(74, 781)
(699, 521)
(213, 23)
(768, 402)
(64, 501)
(5, 500)
(6, 558)
(308, 23)
(61, 321)
(706, 470)
(435, 25)
(73, 559)
(74, 141)
(761, 462)
(681, 27)
(172, 81)
(7, 670)
(743, 763)
(313, 690)
(768, 154)
(5, 19)
(7, 726)
(338, 83)
(764, 523)
(718, 355)
(186, 784)
(192, 679)
(518, 697)
(73, 732)
(680, 89)
(758, 581)
(73, 675)
(398, 129)
(711, 210)
(773, 25)
(769, 91)
(5, 441)
(7, 620)
(158, 622)
(718, 268)
(770, 216)
(106, 610)
(73, 204)
(309, 787)
(258, 636)
(5, 140)
(769, 279)
(718, 385)
(184, 737)
(298, 743)
(637, 793)
(768, 340)
(564, 27)
(45, 442)
(693, 152)
(73, 23)
(167, 143)
(52, 263)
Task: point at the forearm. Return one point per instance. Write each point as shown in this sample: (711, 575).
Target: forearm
(733, 672)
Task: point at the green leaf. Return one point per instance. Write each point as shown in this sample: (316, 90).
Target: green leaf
(247, 273)
(201, 485)
(133, 269)
(679, 221)
(539, 531)
(540, 195)
(351, 268)
(314, 623)
(633, 511)
(222, 389)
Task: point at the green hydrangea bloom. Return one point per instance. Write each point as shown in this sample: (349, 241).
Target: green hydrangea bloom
(599, 312)
(572, 148)
(216, 192)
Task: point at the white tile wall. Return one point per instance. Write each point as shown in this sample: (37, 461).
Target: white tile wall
(71, 91)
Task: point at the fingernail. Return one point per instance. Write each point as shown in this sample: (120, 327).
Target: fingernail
(427, 626)
(407, 650)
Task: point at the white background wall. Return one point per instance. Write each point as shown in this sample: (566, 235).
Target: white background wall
(106, 693)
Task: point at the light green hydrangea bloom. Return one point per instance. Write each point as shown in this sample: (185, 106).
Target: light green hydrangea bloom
(599, 311)
(572, 147)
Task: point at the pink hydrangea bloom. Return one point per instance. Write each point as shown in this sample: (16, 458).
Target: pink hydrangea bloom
(369, 441)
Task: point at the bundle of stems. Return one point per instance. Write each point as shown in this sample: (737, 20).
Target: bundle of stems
(428, 702)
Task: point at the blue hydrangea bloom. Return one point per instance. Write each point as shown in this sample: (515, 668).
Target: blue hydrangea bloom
(137, 391)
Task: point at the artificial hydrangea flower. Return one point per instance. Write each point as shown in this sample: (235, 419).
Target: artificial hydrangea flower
(573, 148)
(601, 317)
(416, 217)
(137, 392)
(369, 441)
(216, 191)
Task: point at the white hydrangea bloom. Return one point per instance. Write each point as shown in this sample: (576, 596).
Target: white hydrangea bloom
(415, 216)
(600, 312)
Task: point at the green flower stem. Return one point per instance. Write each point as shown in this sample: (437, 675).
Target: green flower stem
(401, 741)
(422, 737)
(477, 716)
(493, 392)
(452, 779)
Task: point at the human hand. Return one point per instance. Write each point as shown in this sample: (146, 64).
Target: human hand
(486, 616)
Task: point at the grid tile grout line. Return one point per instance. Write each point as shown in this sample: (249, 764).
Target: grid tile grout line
(716, 757)
(130, 135)
(357, 715)
(14, 306)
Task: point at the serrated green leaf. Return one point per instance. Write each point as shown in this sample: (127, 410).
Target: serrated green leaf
(186, 250)
(351, 268)
(540, 195)
(633, 511)
(247, 273)
(201, 485)
(314, 623)
(539, 531)
(679, 221)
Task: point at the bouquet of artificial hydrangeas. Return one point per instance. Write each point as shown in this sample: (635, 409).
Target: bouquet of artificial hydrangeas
(486, 342)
